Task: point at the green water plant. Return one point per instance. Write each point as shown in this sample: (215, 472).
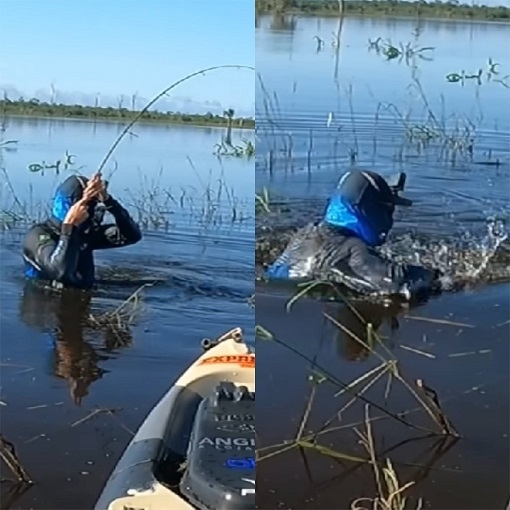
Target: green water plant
(246, 149)
(491, 73)
(402, 51)
(390, 490)
(66, 163)
(262, 201)
(8, 145)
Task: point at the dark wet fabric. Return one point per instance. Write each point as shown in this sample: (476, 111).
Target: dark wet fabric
(63, 253)
(340, 248)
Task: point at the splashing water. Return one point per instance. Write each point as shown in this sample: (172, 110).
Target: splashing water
(490, 243)
(460, 261)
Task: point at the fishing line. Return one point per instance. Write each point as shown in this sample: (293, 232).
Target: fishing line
(156, 98)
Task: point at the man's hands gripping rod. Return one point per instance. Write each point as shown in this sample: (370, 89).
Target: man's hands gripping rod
(94, 190)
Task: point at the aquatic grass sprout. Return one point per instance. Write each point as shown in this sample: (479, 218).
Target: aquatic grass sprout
(67, 163)
(262, 201)
(246, 149)
(390, 492)
(290, 141)
(8, 145)
(117, 323)
(491, 72)
(153, 205)
(406, 52)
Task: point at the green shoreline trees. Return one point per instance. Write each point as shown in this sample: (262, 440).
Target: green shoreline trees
(35, 108)
(374, 8)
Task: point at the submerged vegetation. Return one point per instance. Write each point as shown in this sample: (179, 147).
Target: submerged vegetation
(398, 8)
(35, 108)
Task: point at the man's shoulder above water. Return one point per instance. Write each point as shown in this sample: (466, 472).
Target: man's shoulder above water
(40, 231)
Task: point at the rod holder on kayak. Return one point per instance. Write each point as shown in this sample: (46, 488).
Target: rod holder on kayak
(235, 334)
(207, 343)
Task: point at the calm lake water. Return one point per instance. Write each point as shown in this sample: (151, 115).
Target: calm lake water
(198, 248)
(318, 113)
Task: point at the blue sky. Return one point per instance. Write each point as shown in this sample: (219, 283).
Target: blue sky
(105, 48)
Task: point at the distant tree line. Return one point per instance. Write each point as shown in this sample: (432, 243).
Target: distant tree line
(434, 9)
(36, 108)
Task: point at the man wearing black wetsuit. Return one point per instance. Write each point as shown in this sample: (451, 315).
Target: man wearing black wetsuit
(341, 247)
(60, 250)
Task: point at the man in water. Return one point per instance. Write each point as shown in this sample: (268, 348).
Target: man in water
(60, 250)
(341, 247)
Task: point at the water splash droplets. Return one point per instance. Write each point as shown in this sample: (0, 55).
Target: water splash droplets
(459, 259)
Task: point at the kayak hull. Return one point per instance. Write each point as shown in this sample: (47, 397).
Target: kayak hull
(166, 430)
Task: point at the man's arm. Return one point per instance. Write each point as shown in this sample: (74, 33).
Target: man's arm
(56, 260)
(124, 232)
(297, 260)
(374, 274)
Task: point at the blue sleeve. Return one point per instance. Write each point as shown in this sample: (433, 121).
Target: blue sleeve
(298, 259)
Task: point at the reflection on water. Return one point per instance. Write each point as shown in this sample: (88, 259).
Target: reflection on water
(357, 327)
(63, 317)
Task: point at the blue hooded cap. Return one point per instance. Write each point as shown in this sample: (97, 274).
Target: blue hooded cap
(364, 203)
(67, 194)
